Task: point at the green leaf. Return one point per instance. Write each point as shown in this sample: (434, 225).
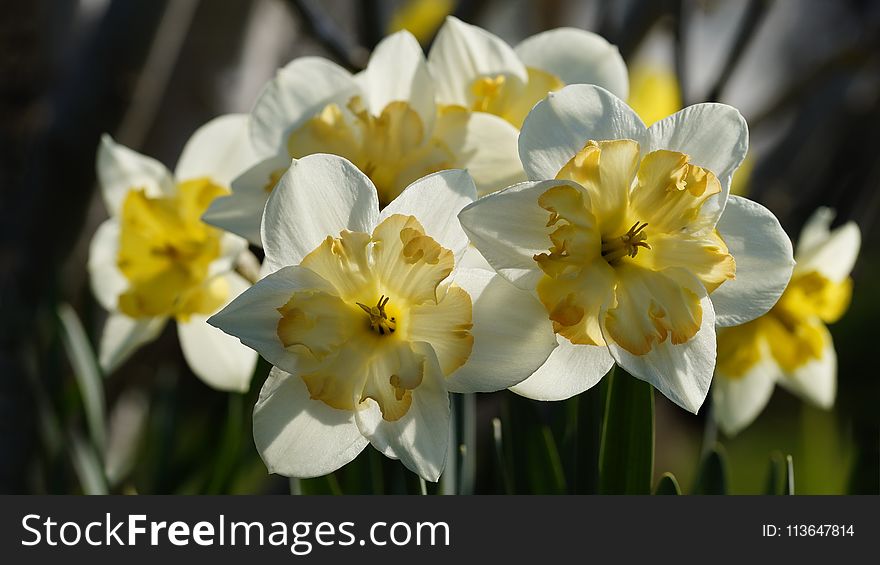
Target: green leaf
(776, 475)
(88, 466)
(712, 478)
(585, 417)
(667, 484)
(88, 375)
(626, 456)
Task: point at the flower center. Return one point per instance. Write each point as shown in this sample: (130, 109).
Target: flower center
(597, 286)
(393, 148)
(379, 320)
(345, 361)
(487, 91)
(165, 253)
(626, 245)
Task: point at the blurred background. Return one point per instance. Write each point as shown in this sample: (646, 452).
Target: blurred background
(805, 74)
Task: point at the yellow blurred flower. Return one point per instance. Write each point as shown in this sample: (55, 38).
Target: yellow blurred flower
(422, 18)
(790, 345)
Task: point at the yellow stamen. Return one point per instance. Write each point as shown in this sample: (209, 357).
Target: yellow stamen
(626, 245)
(379, 320)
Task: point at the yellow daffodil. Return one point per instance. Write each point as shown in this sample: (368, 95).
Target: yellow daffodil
(369, 320)
(384, 120)
(629, 238)
(478, 71)
(155, 260)
(790, 345)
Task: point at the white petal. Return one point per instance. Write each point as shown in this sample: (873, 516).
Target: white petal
(508, 228)
(681, 372)
(736, 402)
(298, 92)
(485, 145)
(319, 196)
(220, 360)
(831, 253)
(764, 262)
(253, 316)
(570, 370)
(300, 437)
(120, 169)
(577, 57)
(816, 382)
(462, 53)
(122, 336)
(242, 211)
(561, 124)
(397, 72)
(421, 437)
(231, 248)
(107, 280)
(512, 334)
(816, 230)
(220, 149)
(435, 201)
(715, 136)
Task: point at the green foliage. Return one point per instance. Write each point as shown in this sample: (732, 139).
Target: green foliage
(626, 457)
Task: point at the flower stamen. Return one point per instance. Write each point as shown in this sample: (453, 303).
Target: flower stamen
(379, 320)
(626, 245)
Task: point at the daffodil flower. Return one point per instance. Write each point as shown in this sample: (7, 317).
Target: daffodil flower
(475, 70)
(154, 259)
(790, 345)
(384, 120)
(628, 237)
(368, 320)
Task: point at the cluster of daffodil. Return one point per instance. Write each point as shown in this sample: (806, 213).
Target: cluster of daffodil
(442, 224)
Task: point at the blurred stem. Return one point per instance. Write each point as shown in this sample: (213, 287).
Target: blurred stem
(295, 486)
(376, 475)
(423, 488)
(230, 444)
(710, 431)
(680, 54)
(469, 443)
(749, 24)
(327, 33)
(449, 478)
(503, 476)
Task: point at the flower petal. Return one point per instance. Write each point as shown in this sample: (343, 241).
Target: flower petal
(295, 94)
(122, 336)
(300, 437)
(577, 57)
(816, 381)
(419, 438)
(107, 280)
(462, 53)
(220, 360)
(714, 136)
(560, 125)
(253, 316)
(398, 72)
(737, 401)
(509, 228)
(436, 200)
(512, 334)
(220, 149)
(681, 372)
(764, 263)
(242, 211)
(831, 253)
(320, 195)
(484, 144)
(571, 369)
(121, 169)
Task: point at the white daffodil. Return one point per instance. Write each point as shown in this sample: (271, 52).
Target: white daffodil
(790, 345)
(154, 259)
(476, 70)
(629, 238)
(369, 321)
(384, 120)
